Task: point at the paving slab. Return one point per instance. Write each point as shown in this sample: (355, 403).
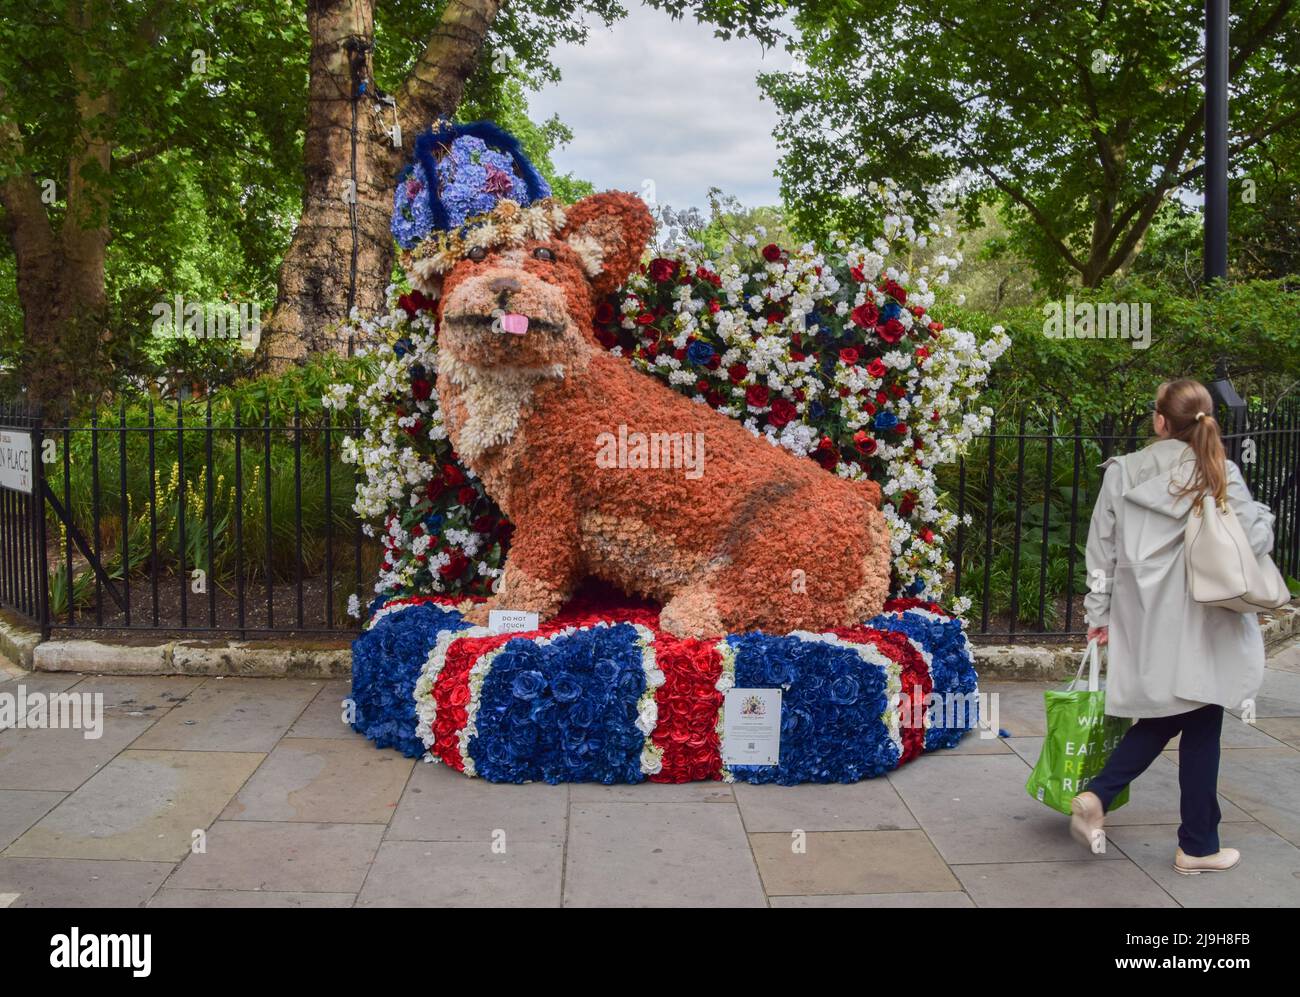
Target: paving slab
(659, 855)
(62, 759)
(653, 792)
(1020, 706)
(1284, 729)
(1268, 876)
(440, 804)
(1265, 783)
(323, 780)
(21, 808)
(841, 862)
(1279, 695)
(62, 882)
(1061, 884)
(1287, 660)
(287, 857)
(323, 717)
(870, 805)
(168, 897)
(142, 806)
(975, 809)
(139, 696)
(945, 899)
(1153, 796)
(464, 874)
(234, 714)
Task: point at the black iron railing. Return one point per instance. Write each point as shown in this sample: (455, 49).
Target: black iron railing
(169, 522)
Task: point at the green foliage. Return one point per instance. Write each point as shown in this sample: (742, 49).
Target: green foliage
(159, 487)
(1254, 326)
(1078, 119)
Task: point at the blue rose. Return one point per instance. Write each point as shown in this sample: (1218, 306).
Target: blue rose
(885, 421)
(699, 353)
(528, 685)
(565, 687)
(844, 691)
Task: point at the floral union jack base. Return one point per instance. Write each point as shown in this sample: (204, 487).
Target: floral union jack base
(601, 694)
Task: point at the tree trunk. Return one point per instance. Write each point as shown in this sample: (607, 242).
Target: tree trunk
(317, 281)
(60, 275)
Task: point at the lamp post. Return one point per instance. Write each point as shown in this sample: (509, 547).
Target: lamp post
(1216, 139)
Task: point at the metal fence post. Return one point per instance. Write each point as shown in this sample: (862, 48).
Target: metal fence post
(38, 525)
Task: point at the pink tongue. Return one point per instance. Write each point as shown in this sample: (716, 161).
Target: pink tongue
(514, 323)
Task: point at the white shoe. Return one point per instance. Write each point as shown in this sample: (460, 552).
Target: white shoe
(1193, 865)
(1086, 819)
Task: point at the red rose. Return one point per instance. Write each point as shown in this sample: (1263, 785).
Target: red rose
(757, 395)
(662, 270)
(714, 399)
(771, 252)
(605, 313)
(453, 475)
(927, 535)
(483, 524)
(421, 389)
(455, 567)
(645, 318)
(857, 274)
(891, 332)
(466, 495)
(849, 355)
(714, 307)
(876, 368)
(783, 411)
(414, 303)
(907, 505)
(737, 372)
(895, 291)
(897, 390)
(865, 315)
(922, 353)
(606, 338)
(865, 442)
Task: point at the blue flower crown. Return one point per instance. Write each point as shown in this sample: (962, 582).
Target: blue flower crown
(461, 172)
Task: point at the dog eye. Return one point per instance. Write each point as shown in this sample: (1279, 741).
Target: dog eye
(542, 253)
(478, 253)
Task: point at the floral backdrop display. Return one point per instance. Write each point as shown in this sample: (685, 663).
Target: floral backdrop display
(834, 354)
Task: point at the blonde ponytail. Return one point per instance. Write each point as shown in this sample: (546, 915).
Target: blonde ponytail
(1188, 410)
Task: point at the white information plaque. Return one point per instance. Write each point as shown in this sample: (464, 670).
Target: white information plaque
(16, 460)
(511, 621)
(751, 731)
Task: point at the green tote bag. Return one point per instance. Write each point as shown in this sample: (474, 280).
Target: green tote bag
(1080, 737)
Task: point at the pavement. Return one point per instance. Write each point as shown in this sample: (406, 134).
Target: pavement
(252, 792)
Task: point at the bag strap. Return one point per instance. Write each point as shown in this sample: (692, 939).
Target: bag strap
(1091, 658)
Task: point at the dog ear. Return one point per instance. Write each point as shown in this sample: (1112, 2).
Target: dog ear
(609, 232)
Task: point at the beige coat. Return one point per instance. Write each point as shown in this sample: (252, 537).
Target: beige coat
(1167, 653)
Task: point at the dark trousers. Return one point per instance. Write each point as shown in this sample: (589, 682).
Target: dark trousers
(1198, 771)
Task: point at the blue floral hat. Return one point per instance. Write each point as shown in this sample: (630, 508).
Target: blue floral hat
(460, 174)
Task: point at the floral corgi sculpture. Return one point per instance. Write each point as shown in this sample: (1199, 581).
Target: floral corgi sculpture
(606, 472)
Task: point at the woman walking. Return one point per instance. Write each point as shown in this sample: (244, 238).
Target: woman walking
(1174, 664)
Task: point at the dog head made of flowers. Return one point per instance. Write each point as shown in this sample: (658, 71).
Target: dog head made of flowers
(516, 275)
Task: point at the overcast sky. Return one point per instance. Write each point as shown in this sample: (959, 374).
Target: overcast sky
(663, 100)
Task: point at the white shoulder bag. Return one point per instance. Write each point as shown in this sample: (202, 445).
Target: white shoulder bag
(1222, 570)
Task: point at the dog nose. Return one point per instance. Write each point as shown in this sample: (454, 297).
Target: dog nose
(503, 284)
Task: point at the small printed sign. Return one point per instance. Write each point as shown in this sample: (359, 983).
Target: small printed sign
(751, 732)
(511, 621)
(16, 460)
